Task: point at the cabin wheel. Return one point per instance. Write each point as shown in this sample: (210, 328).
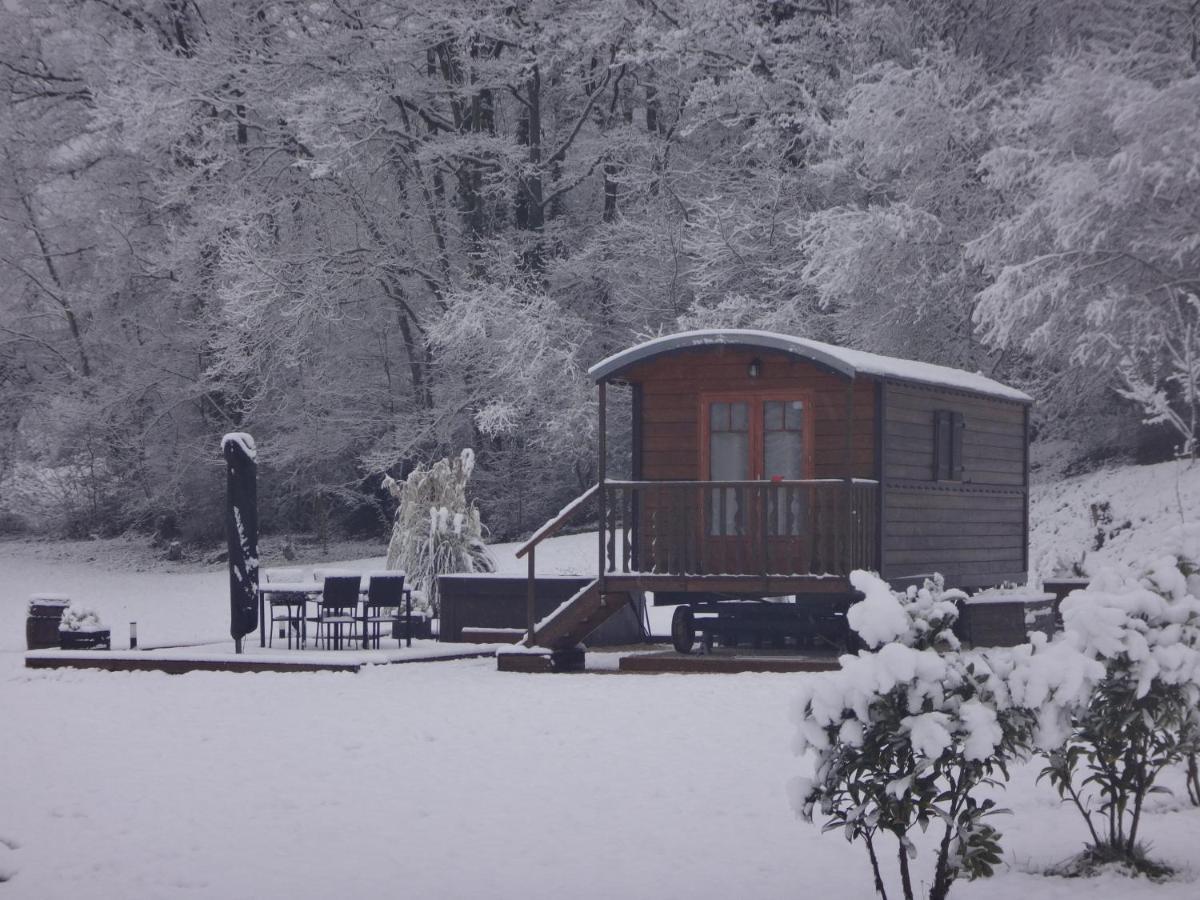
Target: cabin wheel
(683, 629)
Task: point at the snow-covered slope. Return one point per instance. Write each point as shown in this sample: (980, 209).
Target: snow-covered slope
(1114, 515)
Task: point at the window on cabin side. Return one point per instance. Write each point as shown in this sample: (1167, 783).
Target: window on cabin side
(948, 427)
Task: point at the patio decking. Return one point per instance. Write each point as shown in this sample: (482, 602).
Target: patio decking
(221, 658)
(728, 661)
(644, 660)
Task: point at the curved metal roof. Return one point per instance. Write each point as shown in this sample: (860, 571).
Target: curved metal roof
(850, 363)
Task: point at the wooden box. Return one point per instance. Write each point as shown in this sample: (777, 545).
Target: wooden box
(1006, 618)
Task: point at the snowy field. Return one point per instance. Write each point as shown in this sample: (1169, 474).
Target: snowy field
(452, 780)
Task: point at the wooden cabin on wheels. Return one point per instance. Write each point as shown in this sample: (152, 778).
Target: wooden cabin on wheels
(767, 466)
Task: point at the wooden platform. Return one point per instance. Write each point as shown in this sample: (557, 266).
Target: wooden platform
(762, 585)
(491, 635)
(528, 663)
(178, 664)
(538, 660)
(721, 662)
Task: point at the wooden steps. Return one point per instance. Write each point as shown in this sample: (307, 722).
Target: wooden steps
(575, 619)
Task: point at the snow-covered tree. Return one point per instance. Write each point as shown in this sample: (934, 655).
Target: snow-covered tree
(437, 531)
(1096, 262)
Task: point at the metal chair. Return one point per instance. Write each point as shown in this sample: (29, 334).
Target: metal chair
(337, 610)
(284, 611)
(385, 597)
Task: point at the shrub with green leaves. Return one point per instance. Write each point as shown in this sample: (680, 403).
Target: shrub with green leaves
(1143, 714)
(905, 735)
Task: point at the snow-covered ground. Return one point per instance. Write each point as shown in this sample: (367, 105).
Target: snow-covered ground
(452, 780)
(1131, 506)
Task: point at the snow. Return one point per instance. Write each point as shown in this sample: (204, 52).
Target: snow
(243, 440)
(877, 618)
(49, 600)
(1007, 595)
(929, 733)
(849, 362)
(983, 732)
(292, 587)
(450, 779)
(1134, 505)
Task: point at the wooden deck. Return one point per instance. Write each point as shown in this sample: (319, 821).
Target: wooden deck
(179, 664)
(668, 661)
(727, 662)
(762, 585)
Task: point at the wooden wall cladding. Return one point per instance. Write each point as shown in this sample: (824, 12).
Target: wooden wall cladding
(993, 440)
(671, 389)
(975, 538)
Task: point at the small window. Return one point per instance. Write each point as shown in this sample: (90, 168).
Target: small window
(948, 430)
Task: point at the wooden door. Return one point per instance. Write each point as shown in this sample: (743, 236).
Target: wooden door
(765, 437)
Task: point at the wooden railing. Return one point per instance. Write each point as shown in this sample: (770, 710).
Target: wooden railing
(529, 548)
(823, 526)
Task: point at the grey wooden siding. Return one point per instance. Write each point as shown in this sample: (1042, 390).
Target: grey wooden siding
(993, 440)
(973, 532)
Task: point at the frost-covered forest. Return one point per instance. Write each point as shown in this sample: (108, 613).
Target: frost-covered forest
(372, 232)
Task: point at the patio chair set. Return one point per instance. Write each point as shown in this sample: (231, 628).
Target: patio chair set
(344, 608)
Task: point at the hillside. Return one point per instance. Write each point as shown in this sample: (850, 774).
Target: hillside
(1114, 515)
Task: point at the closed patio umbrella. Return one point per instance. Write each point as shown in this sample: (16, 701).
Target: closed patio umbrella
(241, 530)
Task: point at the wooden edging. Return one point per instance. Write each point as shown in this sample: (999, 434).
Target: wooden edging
(179, 666)
(657, 663)
(100, 661)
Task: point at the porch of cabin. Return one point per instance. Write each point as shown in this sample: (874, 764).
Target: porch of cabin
(750, 468)
(760, 537)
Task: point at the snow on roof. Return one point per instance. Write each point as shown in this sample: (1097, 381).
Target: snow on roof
(850, 363)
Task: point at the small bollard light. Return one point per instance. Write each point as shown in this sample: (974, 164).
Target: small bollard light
(133, 635)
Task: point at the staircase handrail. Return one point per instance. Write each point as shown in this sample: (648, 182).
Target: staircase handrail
(550, 528)
(553, 525)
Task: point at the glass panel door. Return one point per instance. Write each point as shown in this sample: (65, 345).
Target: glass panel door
(729, 460)
(783, 460)
(783, 439)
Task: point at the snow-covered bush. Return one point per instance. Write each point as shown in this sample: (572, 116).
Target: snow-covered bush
(79, 618)
(906, 732)
(1143, 713)
(437, 531)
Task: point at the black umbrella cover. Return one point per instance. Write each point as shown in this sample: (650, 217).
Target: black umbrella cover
(241, 530)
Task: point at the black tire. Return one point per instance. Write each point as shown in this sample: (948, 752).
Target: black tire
(683, 629)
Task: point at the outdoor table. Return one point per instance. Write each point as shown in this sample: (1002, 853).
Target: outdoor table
(306, 590)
